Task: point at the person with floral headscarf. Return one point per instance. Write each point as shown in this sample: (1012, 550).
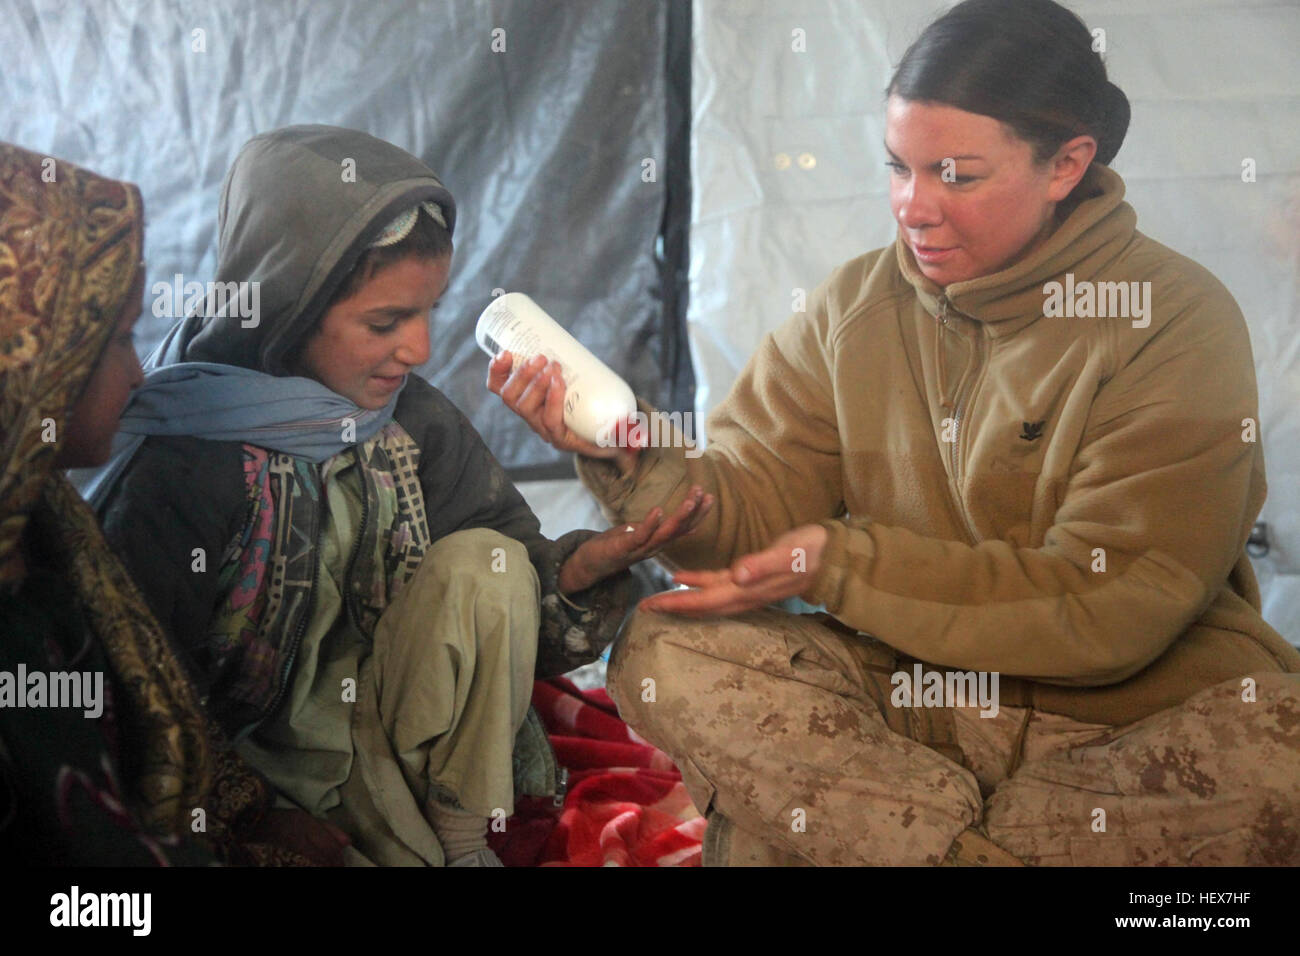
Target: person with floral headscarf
(106, 755)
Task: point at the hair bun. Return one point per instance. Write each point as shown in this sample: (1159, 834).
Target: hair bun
(1028, 63)
(1114, 123)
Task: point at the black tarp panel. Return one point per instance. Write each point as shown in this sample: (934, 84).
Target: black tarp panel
(542, 118)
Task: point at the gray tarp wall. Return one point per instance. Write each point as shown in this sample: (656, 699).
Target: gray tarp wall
(548, 122)
(544, 147)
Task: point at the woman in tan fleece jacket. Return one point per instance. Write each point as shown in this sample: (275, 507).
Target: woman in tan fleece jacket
(1015, 456)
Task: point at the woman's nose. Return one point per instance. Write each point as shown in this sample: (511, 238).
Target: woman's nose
(413, 349)
(917, 204)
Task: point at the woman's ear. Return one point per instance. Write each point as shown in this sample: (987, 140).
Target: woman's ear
(1069, 165)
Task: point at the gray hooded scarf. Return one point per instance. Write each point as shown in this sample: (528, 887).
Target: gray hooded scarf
(276, 230)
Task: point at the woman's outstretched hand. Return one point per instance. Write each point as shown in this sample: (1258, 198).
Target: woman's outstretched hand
(783, 570)
(535, 392)
(624, 545)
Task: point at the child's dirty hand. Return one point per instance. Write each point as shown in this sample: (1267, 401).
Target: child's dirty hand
(624, 545)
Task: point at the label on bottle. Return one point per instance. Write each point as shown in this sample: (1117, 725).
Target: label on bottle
(594, 398)
(501, 324)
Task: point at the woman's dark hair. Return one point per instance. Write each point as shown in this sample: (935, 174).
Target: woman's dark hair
(1028, 63)
(426, 240)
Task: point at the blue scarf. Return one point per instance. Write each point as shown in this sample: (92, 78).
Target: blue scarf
(289, 414)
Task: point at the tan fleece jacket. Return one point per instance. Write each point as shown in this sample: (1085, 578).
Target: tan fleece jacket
(1062, 499)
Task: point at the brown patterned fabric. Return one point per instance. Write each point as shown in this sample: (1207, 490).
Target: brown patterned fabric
(70, 245)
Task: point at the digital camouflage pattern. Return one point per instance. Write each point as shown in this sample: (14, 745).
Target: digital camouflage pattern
(786, 739)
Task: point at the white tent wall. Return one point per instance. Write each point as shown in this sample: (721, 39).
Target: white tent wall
(789, 180)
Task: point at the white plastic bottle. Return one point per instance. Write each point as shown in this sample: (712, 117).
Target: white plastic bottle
(596, 399)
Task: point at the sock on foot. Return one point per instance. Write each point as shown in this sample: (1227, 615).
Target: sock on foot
(459, 831)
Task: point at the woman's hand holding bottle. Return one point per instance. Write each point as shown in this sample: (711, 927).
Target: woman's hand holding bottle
(535, 392)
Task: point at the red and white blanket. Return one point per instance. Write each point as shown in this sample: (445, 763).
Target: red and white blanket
(625, 806)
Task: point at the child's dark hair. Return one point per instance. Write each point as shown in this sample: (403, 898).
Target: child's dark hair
(1027, 63)
(426, 240)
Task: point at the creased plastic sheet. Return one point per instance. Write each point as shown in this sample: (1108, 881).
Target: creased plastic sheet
(539, 117)
(789, 180)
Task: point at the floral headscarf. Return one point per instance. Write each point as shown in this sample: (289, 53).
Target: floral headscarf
(70, 246)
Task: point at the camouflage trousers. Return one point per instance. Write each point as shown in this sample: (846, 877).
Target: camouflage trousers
(787, 743)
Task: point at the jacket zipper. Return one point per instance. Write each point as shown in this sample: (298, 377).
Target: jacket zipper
(561, 783)
(954, 453)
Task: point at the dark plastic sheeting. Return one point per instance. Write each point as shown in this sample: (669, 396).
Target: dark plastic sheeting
(544, 146)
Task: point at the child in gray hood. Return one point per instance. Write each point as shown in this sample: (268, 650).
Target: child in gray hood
(360, 593)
